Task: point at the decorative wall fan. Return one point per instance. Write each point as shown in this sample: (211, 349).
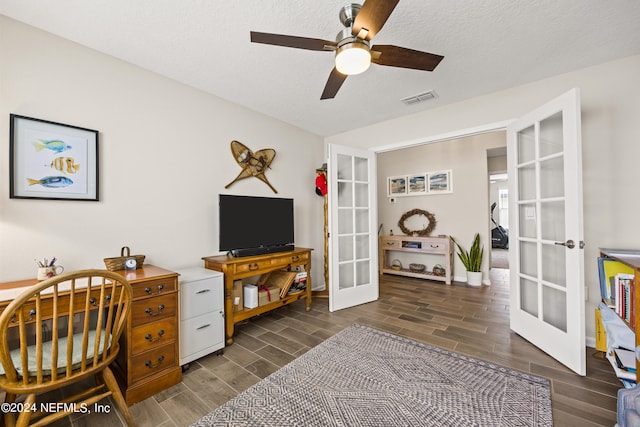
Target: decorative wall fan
(353, 49)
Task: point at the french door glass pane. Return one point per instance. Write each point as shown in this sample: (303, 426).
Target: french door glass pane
(346, 279)
(345, 170)
(526, 146)
(554, 307)
(346, 248)
(362, 247)
(345, 221)
(345, 194)
(553, 262)
(362, 195)
(362, 220)
(552, 178)
(528, 259)
(529, 296)
(527, 182)
(552, 220)
(527, 218)
(551, 140)
(362, 273)
(361, 166)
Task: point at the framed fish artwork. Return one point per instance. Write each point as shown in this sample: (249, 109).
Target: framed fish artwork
(51, 160)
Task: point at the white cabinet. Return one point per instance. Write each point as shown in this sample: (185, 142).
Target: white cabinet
(201, 313)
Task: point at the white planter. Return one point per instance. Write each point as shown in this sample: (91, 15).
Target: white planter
(474, 278)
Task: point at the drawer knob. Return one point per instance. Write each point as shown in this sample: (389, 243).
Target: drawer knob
(160, 288)
(32, 313)
(150, 338)
(94, 301)
(390, 243)
(254, 266)
(150, 312)
(203, 326)
(204, 291)
(149, 364)
(295, 258)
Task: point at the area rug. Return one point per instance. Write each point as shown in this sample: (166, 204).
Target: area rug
(366, 377)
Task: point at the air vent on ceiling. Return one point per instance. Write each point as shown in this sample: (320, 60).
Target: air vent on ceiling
(425, 96)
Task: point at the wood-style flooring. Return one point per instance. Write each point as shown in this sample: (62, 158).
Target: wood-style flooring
(473, 321)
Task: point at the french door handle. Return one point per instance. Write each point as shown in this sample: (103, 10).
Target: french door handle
(569, 244)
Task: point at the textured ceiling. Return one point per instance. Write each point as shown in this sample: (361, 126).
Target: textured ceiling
(488, 45)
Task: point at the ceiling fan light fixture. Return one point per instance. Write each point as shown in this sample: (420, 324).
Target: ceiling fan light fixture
(353, 58)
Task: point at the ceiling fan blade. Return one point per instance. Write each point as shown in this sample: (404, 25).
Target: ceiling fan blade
(402, 57)
(372, 16)
(333, 84)
(291, 41)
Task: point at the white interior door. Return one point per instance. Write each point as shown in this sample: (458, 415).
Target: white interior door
(546, 234)
(353, 243)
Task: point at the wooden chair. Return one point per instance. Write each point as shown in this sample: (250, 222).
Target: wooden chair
(84, 312)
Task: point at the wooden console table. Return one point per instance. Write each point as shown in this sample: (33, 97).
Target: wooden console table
(421, 245)
(242, 267)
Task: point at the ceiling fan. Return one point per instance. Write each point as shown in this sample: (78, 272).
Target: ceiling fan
(353, 49)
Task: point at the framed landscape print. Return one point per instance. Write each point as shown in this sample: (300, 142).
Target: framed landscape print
(440, 182)
(417, 184)
(397, 186)
(49, 160)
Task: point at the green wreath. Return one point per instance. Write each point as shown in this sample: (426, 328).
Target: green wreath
(424, 231)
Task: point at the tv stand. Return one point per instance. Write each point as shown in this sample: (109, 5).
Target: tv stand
(235, 268)
(261, 250)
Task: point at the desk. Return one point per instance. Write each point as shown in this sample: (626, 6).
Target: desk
(148, 359)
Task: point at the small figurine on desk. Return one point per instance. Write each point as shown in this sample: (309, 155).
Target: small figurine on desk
(48, 269)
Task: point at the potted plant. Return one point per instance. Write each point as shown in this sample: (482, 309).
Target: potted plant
(472, 260)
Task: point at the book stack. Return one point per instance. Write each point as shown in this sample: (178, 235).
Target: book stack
(299, 282)
(624, 365)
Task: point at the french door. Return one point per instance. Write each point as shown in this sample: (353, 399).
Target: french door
(546, 230)
(353, 243)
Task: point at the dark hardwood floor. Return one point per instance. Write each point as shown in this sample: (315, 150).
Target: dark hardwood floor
(473, 321)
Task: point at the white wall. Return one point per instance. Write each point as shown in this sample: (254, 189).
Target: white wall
(610, 110)
(164, 158)
(461, 213)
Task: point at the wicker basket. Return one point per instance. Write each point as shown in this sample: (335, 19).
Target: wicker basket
(117, 263)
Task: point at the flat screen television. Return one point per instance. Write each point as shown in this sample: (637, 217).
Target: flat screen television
(250, 225)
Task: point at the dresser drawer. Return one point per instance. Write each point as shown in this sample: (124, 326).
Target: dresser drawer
(290, 259)
(252, 266)
(201, 332)
(151, 335)
(154, 287)
(201, 296)
(390, 244)
(436, 248)
(151, 362)
(152, 309)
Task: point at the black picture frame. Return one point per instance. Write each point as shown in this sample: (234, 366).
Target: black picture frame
(50, 160)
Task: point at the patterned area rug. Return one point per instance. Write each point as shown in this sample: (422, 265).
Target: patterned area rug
(366, 377)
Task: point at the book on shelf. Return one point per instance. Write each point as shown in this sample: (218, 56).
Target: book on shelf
(607, 270)
(624, 285)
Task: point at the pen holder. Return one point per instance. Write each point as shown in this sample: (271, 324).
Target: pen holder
(45, 273)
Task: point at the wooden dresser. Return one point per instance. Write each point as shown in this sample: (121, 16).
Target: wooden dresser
(148, 358)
